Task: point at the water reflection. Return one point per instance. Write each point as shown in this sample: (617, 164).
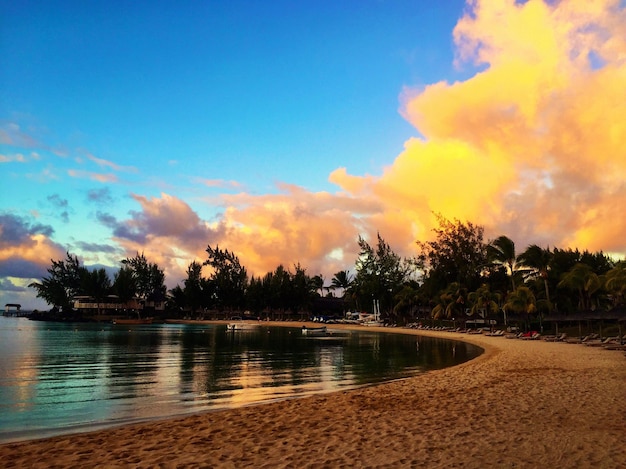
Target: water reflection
(61, 377)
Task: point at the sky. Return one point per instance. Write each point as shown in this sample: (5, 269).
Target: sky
(284, 130)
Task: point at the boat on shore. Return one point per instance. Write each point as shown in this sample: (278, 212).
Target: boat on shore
(314, 331)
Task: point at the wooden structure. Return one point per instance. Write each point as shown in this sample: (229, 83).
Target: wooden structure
(12, 309)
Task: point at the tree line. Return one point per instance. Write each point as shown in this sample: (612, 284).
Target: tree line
(456, 275)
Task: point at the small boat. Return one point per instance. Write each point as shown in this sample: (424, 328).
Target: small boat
(133, 321)
(241, 326)
(314, 331)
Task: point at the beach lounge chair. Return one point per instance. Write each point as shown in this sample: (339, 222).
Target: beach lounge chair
(602, 342)
(533, 335)
(555, 338)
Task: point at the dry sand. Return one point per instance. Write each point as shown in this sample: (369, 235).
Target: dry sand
(521, 404)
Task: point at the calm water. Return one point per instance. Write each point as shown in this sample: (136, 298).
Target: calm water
(62, 378)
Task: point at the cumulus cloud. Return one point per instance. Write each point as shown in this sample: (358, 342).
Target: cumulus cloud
(16, 230)
(317, 230)
(166, 229)
(25, 247)
(532, 146)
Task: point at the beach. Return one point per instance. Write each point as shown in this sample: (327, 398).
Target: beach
(523, 403)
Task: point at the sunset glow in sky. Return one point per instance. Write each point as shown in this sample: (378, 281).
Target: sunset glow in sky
(283, 130)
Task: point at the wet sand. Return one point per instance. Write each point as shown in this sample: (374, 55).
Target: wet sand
(520, 404)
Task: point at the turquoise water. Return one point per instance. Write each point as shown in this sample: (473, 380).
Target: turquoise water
(63, 378)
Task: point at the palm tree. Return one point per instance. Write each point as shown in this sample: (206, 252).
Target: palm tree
(521, 301)
(538, 260)
(405, 300)
(615, 284)
(483, 301)
(582, 279)
(342, 280)
(501, 252)
(177, 300)
(451, 302)
(317, 282)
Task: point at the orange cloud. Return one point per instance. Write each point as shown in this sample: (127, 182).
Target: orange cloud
(36, 250)
(532, 145)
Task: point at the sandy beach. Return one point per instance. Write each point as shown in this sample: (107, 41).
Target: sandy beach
(520, 404)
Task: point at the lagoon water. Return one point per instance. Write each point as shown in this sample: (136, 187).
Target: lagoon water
(61, 378)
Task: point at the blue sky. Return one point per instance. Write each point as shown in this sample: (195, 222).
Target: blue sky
(167, 126)
(287, 89)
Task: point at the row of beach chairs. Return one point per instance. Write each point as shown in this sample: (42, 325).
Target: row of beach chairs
(590, 340)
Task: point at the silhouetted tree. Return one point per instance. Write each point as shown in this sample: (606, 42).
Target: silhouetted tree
(228, 279)
(124, 284)
(62, 284)
(96, 284)
(148, 277)
(501, 252)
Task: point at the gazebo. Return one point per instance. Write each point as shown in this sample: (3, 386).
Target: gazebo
(9, 307)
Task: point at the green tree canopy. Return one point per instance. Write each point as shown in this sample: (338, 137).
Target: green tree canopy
(380, 274)
(458, 254)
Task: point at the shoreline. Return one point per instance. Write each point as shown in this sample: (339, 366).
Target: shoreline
(520, 403)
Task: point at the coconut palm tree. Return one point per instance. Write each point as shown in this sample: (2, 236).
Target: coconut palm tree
(582, 279)
(501, 252)
(484, 301)
(342, 280)
(615, 284)
(521, 301)
(317, 283)
(406, 300)
(451, 302)
(538, 260)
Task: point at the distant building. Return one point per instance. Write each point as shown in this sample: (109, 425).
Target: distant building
(112, 304)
